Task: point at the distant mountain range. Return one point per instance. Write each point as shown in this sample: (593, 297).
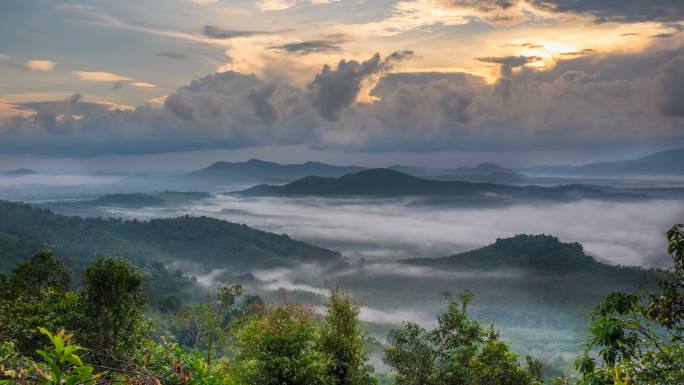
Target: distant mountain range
(259, 170)
(390, 183)
(20, 172)
(660, 163)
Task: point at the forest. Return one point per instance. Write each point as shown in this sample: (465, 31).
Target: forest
(106, 326)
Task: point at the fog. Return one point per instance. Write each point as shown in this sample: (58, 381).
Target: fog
(629, 233)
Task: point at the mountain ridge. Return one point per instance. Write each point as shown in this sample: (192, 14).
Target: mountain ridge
(669, 162)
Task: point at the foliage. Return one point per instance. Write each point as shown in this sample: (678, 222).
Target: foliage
(65, 367)
(173, 365)
(41, 272)
(14, 368)
(640, 337)
(457, 351)
(342, 340)
(113, 324)
(36, 294)
(206, 323)
(279, 347)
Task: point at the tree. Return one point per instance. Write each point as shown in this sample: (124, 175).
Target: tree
(639, 337)
(342, 340)
(40, 273)
(280, 347)
(457, 351)
(112, 301)
(206, 323)
(36, 294)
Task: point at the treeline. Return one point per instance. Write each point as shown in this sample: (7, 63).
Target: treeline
(100, 333)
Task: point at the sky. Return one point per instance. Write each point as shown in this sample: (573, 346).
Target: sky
(165, 84)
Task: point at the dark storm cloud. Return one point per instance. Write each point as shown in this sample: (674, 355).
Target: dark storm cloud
(171, 55)
(625, 10)
(307, 47)
(334, 89)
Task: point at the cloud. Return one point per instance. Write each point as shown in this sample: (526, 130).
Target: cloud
(39, 65)
(205, 3)
(118, 80)
(143, 85)
(4, 57)
(604, 10)
(171, 55)
(593, 100)
(399, 229)
(275, 5)
(99, 76)
(672, 87)
(309, 46)
(214, 32)
(280, 5)
(337, 88)
(507, 64)
(118, 85)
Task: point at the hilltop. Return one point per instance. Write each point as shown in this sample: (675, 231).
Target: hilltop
(20, 172)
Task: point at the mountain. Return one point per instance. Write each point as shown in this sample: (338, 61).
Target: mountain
(25, 230)
(482, 168)
(660, 163)
(390, 183)
(261, 171)
(530, 252)
(21, 171)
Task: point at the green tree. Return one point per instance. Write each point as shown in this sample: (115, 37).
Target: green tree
(280, 347)
(41, 272)
(113, 324)
(639, 337)
(342, 340)
(457, 351)
(36, 294)
(207, 323)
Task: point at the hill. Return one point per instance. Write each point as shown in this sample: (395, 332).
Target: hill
(25, 230)
(543, 253)
(261, 171)
(660, 163)
(125, 200)
(390, 183)
(20, 172)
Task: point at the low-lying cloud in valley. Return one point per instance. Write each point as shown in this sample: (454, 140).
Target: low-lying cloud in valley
(629, 233)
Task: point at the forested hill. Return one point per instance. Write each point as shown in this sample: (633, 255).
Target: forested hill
(542, 253)
(24, 230)
(390, 183)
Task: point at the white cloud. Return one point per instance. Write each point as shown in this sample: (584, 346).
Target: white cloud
(99, 76)
(39, 65)
(205, 3)
(143, 85)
